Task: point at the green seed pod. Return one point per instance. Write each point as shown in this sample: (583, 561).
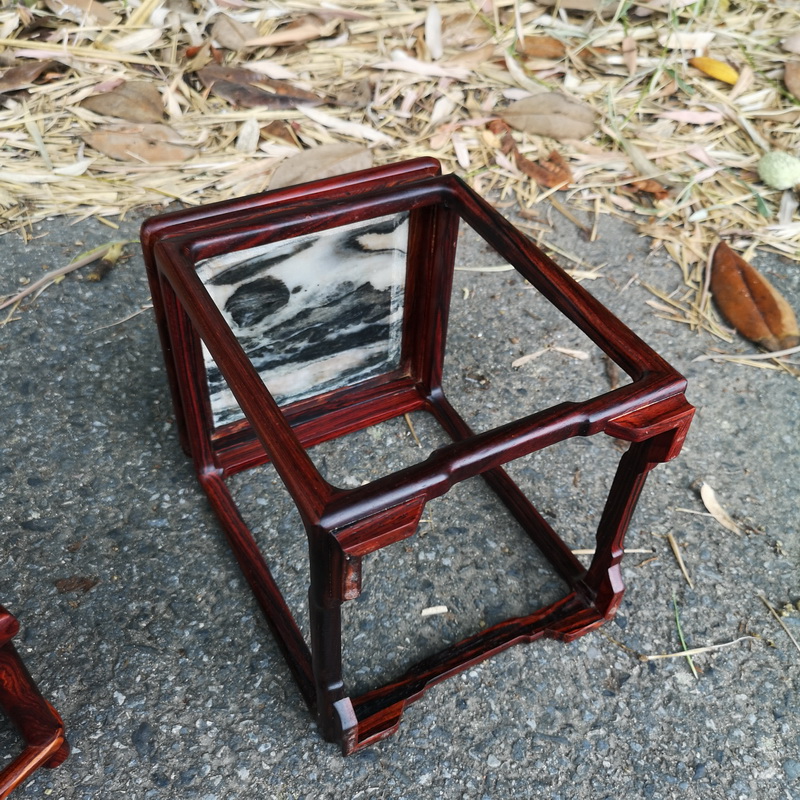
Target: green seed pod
(779, 170)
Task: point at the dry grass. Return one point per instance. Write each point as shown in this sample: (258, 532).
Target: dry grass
(672, 146)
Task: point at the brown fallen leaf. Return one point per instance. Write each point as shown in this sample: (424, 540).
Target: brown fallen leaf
(551, 114)
(152, 144)
(280, 130)
(24, 75)
(649, 186)
(541, 47)
(715, 69)
(750, 303)
(791, 77)
(75, 584)
(249, 89)
(135, 101)
(321, 162)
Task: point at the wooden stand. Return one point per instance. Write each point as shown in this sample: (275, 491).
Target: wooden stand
(343, 525)
(37, 721)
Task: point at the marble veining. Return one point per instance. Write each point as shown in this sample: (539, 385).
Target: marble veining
(313, 313)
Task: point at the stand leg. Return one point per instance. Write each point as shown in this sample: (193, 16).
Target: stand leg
(38, 722)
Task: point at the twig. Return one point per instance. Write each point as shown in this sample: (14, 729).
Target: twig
(46, 280)
(590, 551)
(411, 428)
(780, 621)
(753, 357)
(695, 651)
(679, 558)
(124, 319)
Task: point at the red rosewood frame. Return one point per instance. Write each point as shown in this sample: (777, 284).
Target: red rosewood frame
(343, 525)
(37, 721)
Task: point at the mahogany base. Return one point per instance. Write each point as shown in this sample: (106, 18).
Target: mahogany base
(344, 525)
(37, 721)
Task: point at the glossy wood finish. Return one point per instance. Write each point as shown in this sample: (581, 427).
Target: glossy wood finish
(343, 525)
(37, 721)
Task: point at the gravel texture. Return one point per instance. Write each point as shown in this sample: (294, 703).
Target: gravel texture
(139, 628)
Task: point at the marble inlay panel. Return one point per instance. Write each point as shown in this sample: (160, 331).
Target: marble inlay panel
(313, 313)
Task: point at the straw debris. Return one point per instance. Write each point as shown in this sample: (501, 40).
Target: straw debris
(233, 93)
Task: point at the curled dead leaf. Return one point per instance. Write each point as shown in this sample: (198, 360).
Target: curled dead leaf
(321, 162)
(249, 89)
(709, 498)
(649, 186)
(153, 144)
(551, 114)
(715, 69)
(551, 172)
(791, 77)
(750, 303)
(135, 101)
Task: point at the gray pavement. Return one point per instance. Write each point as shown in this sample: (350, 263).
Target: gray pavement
(139, 628)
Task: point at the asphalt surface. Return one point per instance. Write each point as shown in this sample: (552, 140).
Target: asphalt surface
(140, 630)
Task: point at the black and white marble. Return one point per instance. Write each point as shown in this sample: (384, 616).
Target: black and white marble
(313, 313)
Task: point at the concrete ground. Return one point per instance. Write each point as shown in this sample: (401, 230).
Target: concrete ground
(139, 628)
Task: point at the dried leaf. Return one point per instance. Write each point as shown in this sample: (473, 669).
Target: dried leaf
(136, 101)
(153, 144)
(552, 172)
(750, 303)
(77, 583)
(249, 89)
(232, 34)
(470, 59)
(577, 5)
(709, 498)
(541, 47)
(687, 40)
(692, 117)
(137, 41)
(82, 11)
(629, 54)
(297, 31)
(280, 130)
(402, 61)
(791, 77)
(551, 114)
(24, 75)
(321, 162)
(355, 129)
(715, 69)
(433, 32)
